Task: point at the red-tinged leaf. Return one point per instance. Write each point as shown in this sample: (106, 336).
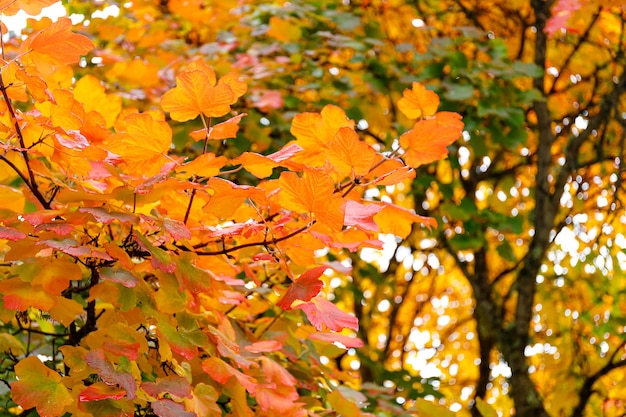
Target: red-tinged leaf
(313, 193)
(39, 387)
(8, 233)
(182, 341)
(278, 394)
(285, 153)
(428, 140)
(105, 216)
(42, 216)
(264, 346)
(307, 286)
(119, 276)
(107, 372)
(348, 342)
(61, 229)
(361, 215)
(56, 44)
(418, 102)
(125, 348)
(73, 248)
(176, 229)
(561, 12)
(101, 391)
(160, 259)
(174, 385)
(168, 408)
(258, 165)
(72, 139)
(324, 314)
(399, 221)
(221, 372)
(20, 295)
(267, 100)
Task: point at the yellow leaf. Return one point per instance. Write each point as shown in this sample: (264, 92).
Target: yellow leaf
(12, 199)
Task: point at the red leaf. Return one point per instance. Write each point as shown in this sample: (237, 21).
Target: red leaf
(348, 342)
(221, 372)
(174, 385)
(98, 361)
(168, 408)
(322, 313)
(101, 391)
(304, 288)
(361, 215)
(264, 346)
(11, 234)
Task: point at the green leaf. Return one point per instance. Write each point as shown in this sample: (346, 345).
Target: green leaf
(485, 409)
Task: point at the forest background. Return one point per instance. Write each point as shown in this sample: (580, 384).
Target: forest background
(252, 208)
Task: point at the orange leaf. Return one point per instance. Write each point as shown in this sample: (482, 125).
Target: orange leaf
(143, 145)
(315, 130)
(55, 276)
(20, 295)
(399, 221)
(428, 140)
(31, 7)
(284, 30)
(39, 387)
(258, 165)
(224, 130)
(205, 165)
(264, 346)
(196, 93)
(56, 45)
(418, 102)
(313, 193)
(349, 155)
(238, 87)
(91, 93)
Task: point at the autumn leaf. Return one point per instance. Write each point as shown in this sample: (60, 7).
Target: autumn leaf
(347, 341)
(173, 385)
(31, 7)
(418, 102)
(55, 45)
(101, 391)
(315, 130)
(324, 314)
(39, 387)
(264, 346)
(428, 140)
(224, 130)
(284, 30)
(196, 93)
(399, 221)
(305, 287)
(314, 193)
(349, 155)
(144, 144)
(258, 165)
(111, 376)
(168, 408)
